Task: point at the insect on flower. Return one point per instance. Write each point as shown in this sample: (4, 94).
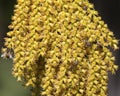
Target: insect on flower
(7, 53)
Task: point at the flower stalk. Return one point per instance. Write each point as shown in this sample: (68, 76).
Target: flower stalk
(61, 48)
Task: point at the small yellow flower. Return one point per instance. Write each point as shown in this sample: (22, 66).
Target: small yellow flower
(61, 47)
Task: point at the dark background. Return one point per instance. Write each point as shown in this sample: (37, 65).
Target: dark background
(109, 10)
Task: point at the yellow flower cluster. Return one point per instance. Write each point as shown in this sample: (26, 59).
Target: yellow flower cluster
(61, 48)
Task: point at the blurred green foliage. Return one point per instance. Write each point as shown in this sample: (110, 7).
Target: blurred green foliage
(8, 84)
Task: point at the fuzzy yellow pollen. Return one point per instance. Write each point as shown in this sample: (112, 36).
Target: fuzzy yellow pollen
(60, 48)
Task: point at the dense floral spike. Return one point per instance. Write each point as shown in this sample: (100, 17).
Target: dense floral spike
(61, 48)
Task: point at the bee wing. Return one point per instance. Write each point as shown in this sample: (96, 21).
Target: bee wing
(3, 55)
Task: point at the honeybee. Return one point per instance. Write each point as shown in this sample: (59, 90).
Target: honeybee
(7, 53)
